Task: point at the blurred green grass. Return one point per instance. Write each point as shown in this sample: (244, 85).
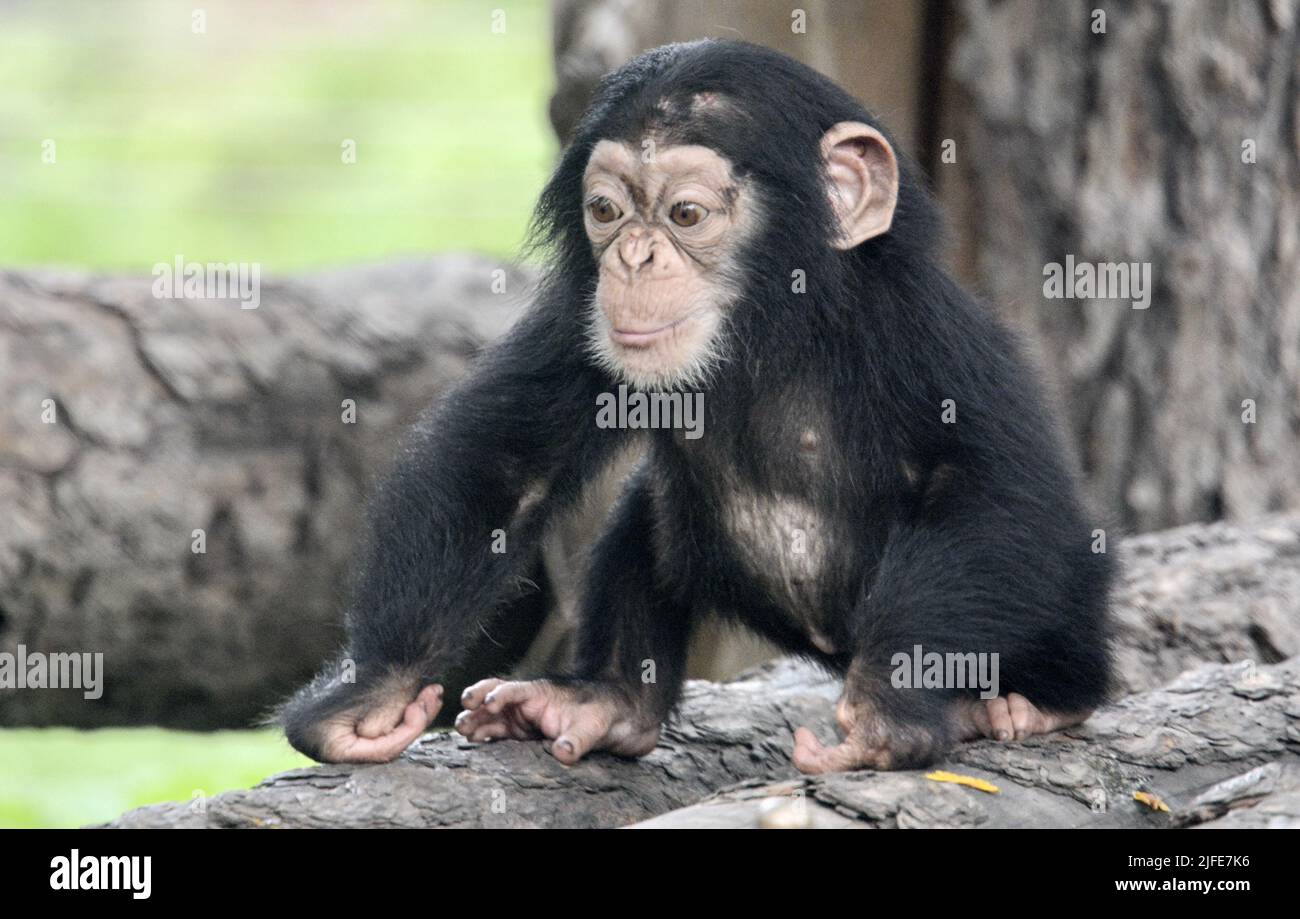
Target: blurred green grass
(63, 777)
(226, 146)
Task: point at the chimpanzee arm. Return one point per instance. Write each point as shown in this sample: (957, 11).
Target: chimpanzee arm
(1000, 576)
(452, 532)
(633, 634)
(629, 662)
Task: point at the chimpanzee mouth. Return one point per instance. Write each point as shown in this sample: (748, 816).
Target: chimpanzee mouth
(643, 338)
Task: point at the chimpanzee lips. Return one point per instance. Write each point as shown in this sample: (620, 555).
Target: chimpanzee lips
(643, 338)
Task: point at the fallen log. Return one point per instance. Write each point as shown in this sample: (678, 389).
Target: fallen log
(726, 733)
(1219, 745)
(1194, 594)
(133, 422)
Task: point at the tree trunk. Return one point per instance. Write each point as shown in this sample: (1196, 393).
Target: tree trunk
(1172, 139)
(1219, 743)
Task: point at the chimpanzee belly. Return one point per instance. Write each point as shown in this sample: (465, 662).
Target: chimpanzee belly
(783, 551)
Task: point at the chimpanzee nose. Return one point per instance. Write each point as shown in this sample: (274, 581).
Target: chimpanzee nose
(636, 249)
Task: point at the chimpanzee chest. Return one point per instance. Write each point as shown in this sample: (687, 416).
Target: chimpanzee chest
(771, 517)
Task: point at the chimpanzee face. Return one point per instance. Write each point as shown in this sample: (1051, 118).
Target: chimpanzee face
(666, 227)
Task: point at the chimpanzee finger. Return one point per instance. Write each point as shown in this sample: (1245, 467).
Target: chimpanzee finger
(1024, 716)
(978, 714)
(493, 730)
(584, 733)
(469, 721)
(1000, 718)
(352, 747)
(813, 757)
(383, 720)
(514, 693)
(473, 695)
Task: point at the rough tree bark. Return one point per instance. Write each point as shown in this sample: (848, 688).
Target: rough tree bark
(1172, 139)
(176, 415)
(1218, 744)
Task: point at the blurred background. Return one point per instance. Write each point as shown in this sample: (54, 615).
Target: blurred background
(379, 162)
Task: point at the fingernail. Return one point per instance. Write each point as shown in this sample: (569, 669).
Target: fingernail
(466, 696)
(1003, 735)
(565, 745)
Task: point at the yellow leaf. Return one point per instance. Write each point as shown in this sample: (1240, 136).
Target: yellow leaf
(1151, 801)
(968, 781)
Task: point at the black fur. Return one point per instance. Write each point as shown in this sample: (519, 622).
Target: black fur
(957, 537)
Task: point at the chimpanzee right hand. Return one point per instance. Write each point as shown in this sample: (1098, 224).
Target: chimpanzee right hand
(379, 734)
(335, 722)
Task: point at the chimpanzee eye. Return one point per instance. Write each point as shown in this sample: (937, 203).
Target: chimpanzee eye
(603, 210)
(687, 214)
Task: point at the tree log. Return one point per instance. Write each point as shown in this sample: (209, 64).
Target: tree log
(179, 415)
(1218, 744)
(1220, 593)
(1219, 739)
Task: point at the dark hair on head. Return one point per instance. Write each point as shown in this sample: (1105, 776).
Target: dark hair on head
(762, 110)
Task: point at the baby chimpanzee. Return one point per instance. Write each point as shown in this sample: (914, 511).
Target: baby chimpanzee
(876, 475)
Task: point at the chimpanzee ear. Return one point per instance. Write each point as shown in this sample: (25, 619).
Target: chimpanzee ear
(863, 175)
